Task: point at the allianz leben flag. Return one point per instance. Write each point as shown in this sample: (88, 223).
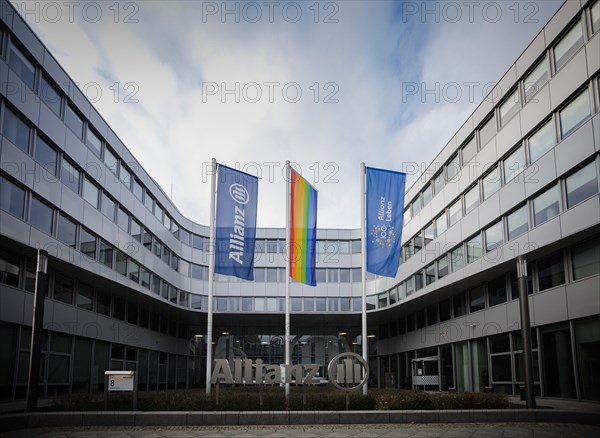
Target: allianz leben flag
(384, 210)
(237, 198)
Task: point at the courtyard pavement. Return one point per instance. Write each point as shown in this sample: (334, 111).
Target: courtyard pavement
(454, 430)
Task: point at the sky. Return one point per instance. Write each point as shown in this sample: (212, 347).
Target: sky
(326, 85)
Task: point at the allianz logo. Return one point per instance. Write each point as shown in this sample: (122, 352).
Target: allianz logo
(239, 193)
(347, 371)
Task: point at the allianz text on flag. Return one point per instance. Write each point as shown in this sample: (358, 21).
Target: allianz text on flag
(237, 198)
(384, 211)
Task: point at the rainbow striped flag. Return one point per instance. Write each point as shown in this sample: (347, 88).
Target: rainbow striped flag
(303, 230)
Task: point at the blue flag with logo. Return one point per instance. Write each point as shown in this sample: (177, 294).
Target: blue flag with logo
(237, 198)
(385, 211)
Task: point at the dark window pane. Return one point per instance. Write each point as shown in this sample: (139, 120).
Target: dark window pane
(460, 304)
(85, 296)
(41, 216)
(87, 243)
(586, 259)
(103, 303)
(445, 309)
(9, 270)
(74, 121)
(50, 95)
(123, 219)
(90, 192)
(477, 297)
(497, 291)
(517, 223)
(582, 185)
(22, 66)
(118, 309)
(551, 271)
(94, 142)
(545, 206)
(136, 230)
(46, 156)
(106, 254)
(16, 130)
(63, 288)
(66, 231)
(108, 207)
(121, 264)
(69, 175)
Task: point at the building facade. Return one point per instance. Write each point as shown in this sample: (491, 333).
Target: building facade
(127, 288)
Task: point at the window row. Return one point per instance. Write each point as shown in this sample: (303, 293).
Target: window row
(546, 273)
(531, 82)
(576, 112)
(578, 186)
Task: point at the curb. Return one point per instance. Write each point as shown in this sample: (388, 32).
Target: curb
(119, 419)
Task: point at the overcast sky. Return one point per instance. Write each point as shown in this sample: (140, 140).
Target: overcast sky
(326, 85)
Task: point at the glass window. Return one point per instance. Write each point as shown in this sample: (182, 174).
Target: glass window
(471, 198)
(417, 243)
(568, 45)
(469, 150)
(9, 270)
(416, 206)
(535, 80)
(457, 258)
(407, 216)
(344, 275)
(94, 142)
(586, 259)
(121, 263)
(138, 190)
(355, 246)
(418, 281)
(477, 299)
(46, 155)
(439, 182)
(199, 272)
(106, 254)
(460, 304)
(542, 141)
(428, 234)
(517, 223)
(21, 65)
(332, 275)
(497, 291)
(184, 236)
(581, 185)
(453, 169)
(441, 224)
(87, 243)
(66, 231)
(455, 212)
(487, 131)
(494, 236)
(85, 296)
(149, 201)
(90, 192)
(103, 303)
(74, 121)
(69, 175)
(595, 15)
(356, 275)
(16, 130)
(12, 198)
(136, 230)
(111, 160)
(63, 288)
(445, 309)
(108, 206)
(491, 182)
(158, 212)
(126, 177)
(545, 206)
(122, 219)
(41, 216)
(427, 194)
(442, 266)
(509, 108)
(514, 283)
(50, 95)
(577, 111)
(134, 270)
(551, 271)
(118, 313)
(514, 164)
(474, 248)
(430, 274)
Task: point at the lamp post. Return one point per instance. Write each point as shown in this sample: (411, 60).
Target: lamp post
(526, 332)
(41, 287)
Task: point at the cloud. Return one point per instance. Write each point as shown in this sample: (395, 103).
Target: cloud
(353, 75)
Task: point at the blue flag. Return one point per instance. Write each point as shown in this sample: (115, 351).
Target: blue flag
(385, 211)
(237, 198)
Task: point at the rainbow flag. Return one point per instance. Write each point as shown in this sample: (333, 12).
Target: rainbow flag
(303, 230)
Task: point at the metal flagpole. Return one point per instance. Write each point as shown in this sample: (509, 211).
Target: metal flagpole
(287, 276)
(211, 275)
(363, 267)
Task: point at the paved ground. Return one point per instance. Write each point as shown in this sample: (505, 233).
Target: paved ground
(487, 430)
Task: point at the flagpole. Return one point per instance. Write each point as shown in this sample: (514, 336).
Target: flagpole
(363, 267)
(211, 275)
(287, 277)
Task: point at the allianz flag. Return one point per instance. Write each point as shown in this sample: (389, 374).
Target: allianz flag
(385, 211)
(237, 198)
